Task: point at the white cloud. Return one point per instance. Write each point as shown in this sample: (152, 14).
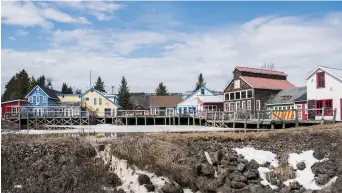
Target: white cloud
(20, 32)
(22, 13)
(12, 38)
(293, 44)
(102, 10)
(61, 17)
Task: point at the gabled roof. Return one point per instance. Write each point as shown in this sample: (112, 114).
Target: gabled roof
(164, 101)
(260, 71)
(288, 96)
(267, 83)
(140, 101)
(49, 92)
(193, 93)
(336, 72)
(100, 93)
(210, 99)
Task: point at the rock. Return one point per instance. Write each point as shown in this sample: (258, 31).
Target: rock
(144, 179)
(322, 179)
(112, 179)
(238, 185)
(317, 169)
(207, 170)
(218, 156)
(256, 188)
(236, 176)
(295, 185)
(213, 186)
(301, 165)
(253, 164)
(266, 164)
(227, 182)
(171, 188)
(286, 189)
(101, 147)
(198, 168)
(252, 174)
(318, 154)
(330, 173)
(333, 145)
(241, 167)
(224, 189)
(121, 191)
(149, 187)
(231, 169)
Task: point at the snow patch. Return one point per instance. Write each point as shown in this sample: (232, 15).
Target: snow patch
(306, 177)
(259, 156)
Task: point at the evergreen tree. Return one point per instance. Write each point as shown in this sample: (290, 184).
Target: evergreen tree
(17, 87)
(200, 82)
(99, 85)
(161, 90)
(124, 95)
(49, 83)
(66, 89)
(33, 82)
(41, 81)
(78, 91)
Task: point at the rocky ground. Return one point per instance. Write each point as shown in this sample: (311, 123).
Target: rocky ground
(181, 158)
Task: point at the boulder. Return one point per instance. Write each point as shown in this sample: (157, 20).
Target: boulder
(207, 170)
(112, 179)
(295, 185)
(224, 189)
(241, 167)
(253, 164)
(236, 176)
(227, 182)
(238, 185)
(330, 173)
(144, 179)
(256, 188)
(322, 179)
(149, 187)
(319, 154)
(252, 174)
(121, 191)
(171, 188)
(218, 156)
(101, 147)
(301, 165)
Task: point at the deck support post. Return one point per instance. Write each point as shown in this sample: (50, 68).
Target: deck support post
(206, 118)
(126, 119)
(145, 117)
(136, 119)
(258, 124)
(193, 119)
(36, 121)
(272, 125)
(245, 124)
(215, 119)
(178, 119)
(154, 119)
(283, 124)
(334, 117)
(234, 119)
(223, 125)
(165, 118)
(188, 120)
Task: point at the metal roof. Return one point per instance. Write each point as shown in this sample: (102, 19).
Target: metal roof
(288, 96)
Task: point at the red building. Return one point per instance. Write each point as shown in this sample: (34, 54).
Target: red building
(11, 107)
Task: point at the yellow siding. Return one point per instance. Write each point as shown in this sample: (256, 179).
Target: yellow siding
(100, 109)
(69, 98)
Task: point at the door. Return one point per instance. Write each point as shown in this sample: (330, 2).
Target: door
(311, 112)
(299, 111)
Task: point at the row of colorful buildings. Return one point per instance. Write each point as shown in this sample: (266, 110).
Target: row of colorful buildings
(250, 90)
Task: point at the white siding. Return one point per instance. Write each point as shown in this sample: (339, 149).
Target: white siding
(332, 90)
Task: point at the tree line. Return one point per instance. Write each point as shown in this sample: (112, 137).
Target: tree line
(20, 84)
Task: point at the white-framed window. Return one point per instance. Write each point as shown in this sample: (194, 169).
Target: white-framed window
(237, 105)
(243, 94)
(249, 93)
(231, 107)
(155, 111)
(276, 108)
(76, 111)
(237, 95)
(257, 105)
(249, 105)
(13, 110)
(243, 105)
(231, 96)
(95, 101)
(226, 107)
(226, 96)
(210, 107)
(107, 111)
(31, 99)
(44, 99)
(236, 84)
(38, 99)
(100, 101)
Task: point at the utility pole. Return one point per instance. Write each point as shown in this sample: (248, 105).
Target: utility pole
(112, 89)
(90, 80)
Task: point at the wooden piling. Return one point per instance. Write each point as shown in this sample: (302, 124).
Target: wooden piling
(145, 117)
(126, 119)
(178, 119)
(258, 124)
(215, 119)
(188, 120)
(154, 119)
(193, 119)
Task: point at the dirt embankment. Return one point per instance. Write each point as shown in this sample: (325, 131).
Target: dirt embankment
(51, 164)
(181, 157)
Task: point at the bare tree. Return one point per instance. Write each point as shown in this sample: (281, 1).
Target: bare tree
(268, 66)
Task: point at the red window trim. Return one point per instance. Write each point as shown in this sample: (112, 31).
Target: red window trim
(317, 80)
(327, 112)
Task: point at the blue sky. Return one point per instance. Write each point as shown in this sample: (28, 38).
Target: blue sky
(150, 42)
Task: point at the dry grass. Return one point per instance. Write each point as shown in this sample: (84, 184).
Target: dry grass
(284, 172)
(164, 157)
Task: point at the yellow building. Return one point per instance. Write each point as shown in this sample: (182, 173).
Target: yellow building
(95, 101)
(70, 104)
(69, 97)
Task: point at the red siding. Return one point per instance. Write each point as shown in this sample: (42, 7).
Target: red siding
(7, 107)
(304, 114)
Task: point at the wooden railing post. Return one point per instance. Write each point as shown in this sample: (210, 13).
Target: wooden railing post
(215, 119)
(334, 116)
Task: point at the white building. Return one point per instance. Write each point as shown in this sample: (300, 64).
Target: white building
(324, 89)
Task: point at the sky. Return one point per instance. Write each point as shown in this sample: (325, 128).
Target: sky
(169, 42)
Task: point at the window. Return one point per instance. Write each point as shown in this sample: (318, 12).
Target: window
(237, 95)
(30, 99)
(236, 84)
(45, 99)
(226, 107)
(276, 108)
(87, 98)
(95, 100)
(210, 107)
(13, 110)
(202, 91)
(231, 107)
(249, 105)
(249, 93)
(257, 105)
(77, 111)
(231, 96)
(107, 111)
(100, 101)
(38, 99)
(226, 97)
(320, 80)
(243, 94)
(214, 108)
(328, 107)
(243, 105)
(237, 106)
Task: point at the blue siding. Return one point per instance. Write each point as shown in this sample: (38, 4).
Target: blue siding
(43, 100)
